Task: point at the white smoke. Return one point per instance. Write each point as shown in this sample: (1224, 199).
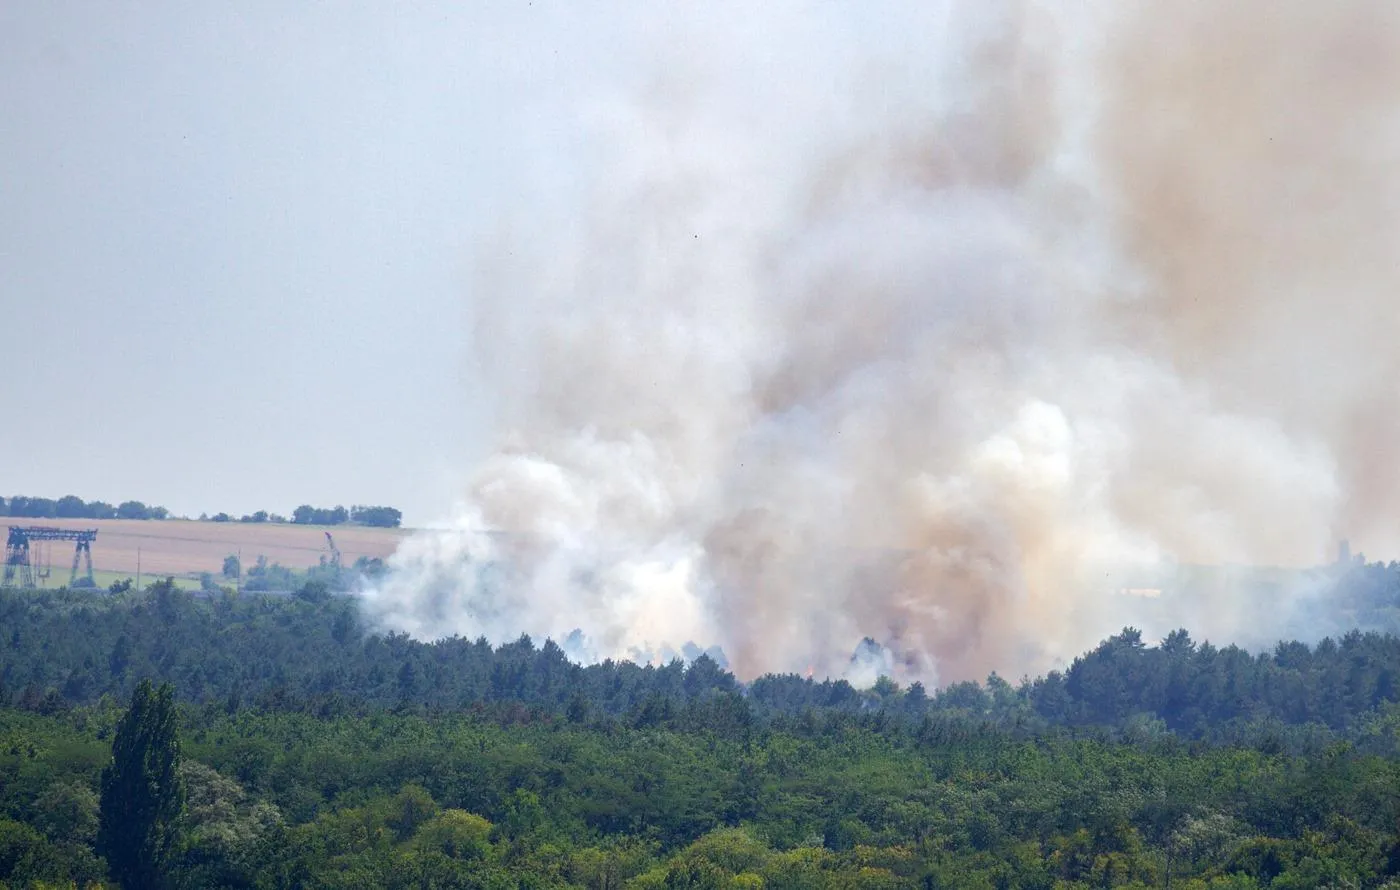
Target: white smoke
(920, 327)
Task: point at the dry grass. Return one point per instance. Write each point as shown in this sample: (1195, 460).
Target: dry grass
(178, 547)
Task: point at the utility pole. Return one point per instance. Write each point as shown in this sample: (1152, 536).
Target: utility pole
(138, 569)
(238, 578)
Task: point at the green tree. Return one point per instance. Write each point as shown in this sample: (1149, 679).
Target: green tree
(67, 811)
(142, 793)
(71, 507)
(380, 517)
(132, 510)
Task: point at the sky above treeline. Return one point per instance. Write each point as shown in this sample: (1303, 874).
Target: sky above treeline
(236, 241)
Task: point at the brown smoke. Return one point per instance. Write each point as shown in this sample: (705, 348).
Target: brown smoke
(926, 355)
(1252, 148)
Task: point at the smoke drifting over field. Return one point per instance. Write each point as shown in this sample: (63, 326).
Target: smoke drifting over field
(917, 333)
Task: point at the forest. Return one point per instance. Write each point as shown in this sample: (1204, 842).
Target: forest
(298, 748)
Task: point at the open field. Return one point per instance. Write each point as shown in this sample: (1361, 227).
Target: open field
(104, 580)
(182, 547)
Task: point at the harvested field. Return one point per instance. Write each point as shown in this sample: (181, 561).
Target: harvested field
(183, 547)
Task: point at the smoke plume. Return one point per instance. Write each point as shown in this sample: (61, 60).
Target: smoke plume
(920, 328)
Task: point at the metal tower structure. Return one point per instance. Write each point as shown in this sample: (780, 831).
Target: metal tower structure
(335, 552)
(24, 544)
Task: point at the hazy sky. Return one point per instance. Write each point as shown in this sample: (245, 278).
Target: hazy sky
(236, 240)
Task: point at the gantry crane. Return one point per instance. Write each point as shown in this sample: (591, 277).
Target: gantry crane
(19, 560)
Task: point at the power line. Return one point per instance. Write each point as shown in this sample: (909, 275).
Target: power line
(241, 543)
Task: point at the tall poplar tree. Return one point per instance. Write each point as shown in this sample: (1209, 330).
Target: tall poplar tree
(142, 794)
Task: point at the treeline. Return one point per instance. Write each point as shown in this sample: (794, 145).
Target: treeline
(377, 517)
(311, 652)
(74, 507)
(380, 517)
(462, 765)
(314, 752)
(259, 516)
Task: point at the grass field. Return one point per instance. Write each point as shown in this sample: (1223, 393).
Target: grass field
(184, 548)
(104, 580)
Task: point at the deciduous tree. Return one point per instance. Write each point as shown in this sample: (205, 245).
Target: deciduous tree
(142, 793)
